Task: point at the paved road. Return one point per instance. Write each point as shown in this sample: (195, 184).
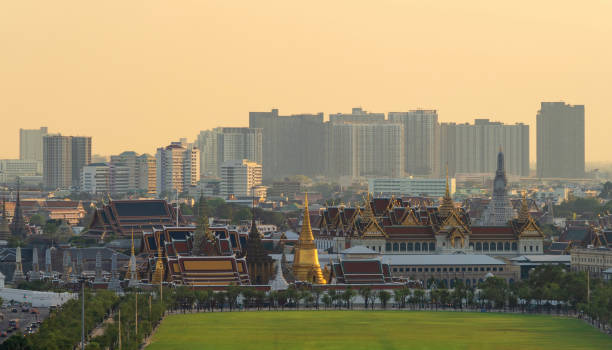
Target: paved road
(25, 319)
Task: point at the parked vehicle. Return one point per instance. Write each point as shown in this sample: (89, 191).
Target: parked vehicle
(14, 309)
(34, 311)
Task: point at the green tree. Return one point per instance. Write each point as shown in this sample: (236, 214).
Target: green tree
(384, 297)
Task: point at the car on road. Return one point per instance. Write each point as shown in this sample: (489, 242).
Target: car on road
(14, 309)
(34, 311)
(3, 334)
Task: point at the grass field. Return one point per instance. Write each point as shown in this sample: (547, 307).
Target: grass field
(354, 330)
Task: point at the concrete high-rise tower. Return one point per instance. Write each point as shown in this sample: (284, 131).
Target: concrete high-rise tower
(421, 132)
(560, 140)
(31, 143)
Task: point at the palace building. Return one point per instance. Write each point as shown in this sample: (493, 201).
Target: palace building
(397, 226)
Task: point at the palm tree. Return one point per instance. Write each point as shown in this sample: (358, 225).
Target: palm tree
(348, 296)
(220, 299)
(272, 297)
(419, 296)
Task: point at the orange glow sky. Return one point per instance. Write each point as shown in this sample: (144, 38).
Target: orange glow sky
(136, 75)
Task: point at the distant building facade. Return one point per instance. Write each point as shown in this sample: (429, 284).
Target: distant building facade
(63, 159)
(178, 167)
(240, 177)
(141, 172)
(360, 149)
(560, 140)
(291, 145)
(472, 148)
(224, 144)
(410, 186)
(421, 132)
(31, 144)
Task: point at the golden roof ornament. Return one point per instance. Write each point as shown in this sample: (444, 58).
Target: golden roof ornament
(447, 206)
(524, 211)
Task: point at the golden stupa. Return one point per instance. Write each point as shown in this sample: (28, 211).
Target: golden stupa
(306, 258)
(158, 274)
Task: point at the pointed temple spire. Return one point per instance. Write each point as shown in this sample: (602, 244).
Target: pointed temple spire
(259, 263)
(35, 273)
(98, 267)
(132, 266)
(158, 274)
(306, 258)
(48, 261)
(523, 216)
(447, 206)
(18, 276)
(18, 224)
(279, 282)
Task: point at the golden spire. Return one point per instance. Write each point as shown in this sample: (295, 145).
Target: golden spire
(133, 241)
(158, 275)
(524, 211)
(306, 265)
(447, 205)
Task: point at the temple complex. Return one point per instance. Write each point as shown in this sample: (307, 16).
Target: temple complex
(397, 226)
(306, 266)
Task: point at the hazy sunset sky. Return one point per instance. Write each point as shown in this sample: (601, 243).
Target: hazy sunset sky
(136, 75)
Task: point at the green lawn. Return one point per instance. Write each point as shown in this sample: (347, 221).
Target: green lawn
(354, 330)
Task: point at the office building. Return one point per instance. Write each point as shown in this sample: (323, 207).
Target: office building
(31, 144)
(239, 178)
(560, 140)
(472, 148)
(147, 174)
(291, 145)
(408, 186)
(13, 168)
(421, 130)
(178, 168)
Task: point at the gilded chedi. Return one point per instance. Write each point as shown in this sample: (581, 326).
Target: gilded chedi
(306, 258)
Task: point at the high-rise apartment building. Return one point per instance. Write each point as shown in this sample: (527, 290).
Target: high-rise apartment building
(291, 145)
(240, 177)
(31, 143)
(147, 174)
(560, 140)
(141, 173)
(224, 144)
(96, 179)
(365, 149)
(473, 148)
(178, 168)
(81, 156)
(421, 132)
(57, 161)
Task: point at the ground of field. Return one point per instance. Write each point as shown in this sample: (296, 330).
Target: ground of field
(326, 330)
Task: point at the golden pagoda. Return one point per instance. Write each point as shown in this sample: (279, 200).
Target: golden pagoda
(447, 206)
(306, 258)
(158, 274)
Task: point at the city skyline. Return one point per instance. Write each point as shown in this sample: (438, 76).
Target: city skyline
(162, 71)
